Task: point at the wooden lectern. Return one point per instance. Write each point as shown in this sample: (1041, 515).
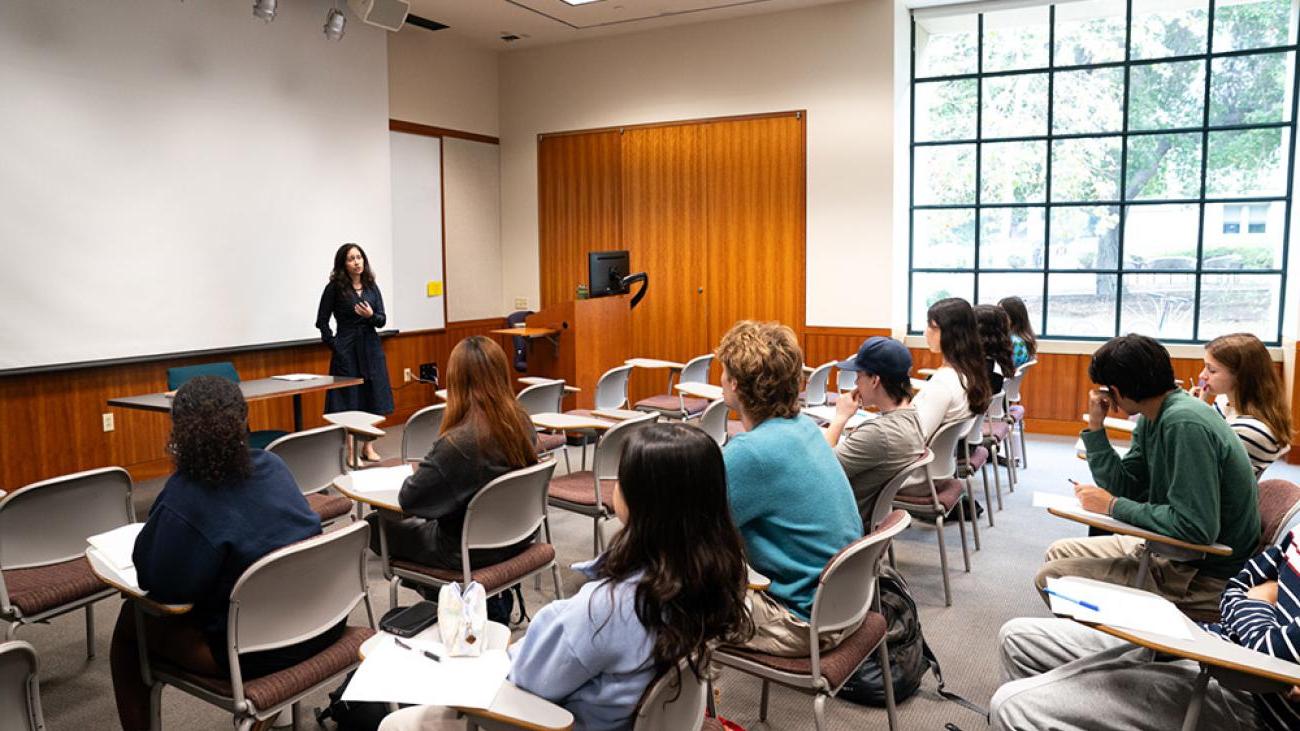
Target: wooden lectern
(595, 335)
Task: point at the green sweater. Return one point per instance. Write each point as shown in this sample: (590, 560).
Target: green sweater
(1186, 476)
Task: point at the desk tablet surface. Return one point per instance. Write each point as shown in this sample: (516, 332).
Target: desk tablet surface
(1105, 522)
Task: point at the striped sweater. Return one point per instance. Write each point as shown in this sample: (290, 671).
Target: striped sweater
(1261, 446)
(1263, 627)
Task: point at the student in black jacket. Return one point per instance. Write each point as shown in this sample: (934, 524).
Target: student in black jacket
(224, 508)
(485, 434)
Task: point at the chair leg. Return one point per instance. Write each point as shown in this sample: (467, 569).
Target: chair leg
(296, 711)
(943, 560)
(568, 465)
(988, 496)
(961, 528)
(891, 710)
(819, 711)
(11, 630)
(392, 591)
(974, 520)
(997, 483)
(1011, 465)
(1024, 456)
(762, 703)
(155, 707)
(892, 564)
(90, 631)
(555, 577)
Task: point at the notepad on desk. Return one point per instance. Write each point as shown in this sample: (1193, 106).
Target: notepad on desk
(296, 377)
(1116, 606)
(393, 674)
(380, 479)
(1056, 500)
(118, 545)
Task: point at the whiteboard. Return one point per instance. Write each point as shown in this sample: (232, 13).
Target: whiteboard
(417, 230)
(176, 176)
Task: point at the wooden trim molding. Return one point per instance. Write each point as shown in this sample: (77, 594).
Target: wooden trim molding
(798, 113)
(415, 128)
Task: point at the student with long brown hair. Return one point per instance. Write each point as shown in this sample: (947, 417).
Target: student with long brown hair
(485, 434)
(1024, 346)
(995, 340)
(1240, 372)
(959, 388)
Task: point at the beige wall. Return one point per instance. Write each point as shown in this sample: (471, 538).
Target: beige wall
(835, 61)
(442, 80)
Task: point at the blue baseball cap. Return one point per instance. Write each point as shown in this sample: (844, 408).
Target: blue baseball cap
(882, 356)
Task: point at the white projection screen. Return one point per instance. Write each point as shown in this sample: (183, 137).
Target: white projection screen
(175, 176)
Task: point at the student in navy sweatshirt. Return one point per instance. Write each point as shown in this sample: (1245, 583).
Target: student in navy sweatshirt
(224, 508)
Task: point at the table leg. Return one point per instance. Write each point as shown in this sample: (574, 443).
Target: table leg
(297, 412)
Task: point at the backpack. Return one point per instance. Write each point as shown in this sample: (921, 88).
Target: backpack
(910, 657)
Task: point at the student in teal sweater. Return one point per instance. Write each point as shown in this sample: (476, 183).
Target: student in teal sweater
(788, 494)
(1186, 476)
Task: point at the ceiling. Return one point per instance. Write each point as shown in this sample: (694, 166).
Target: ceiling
(542, 22)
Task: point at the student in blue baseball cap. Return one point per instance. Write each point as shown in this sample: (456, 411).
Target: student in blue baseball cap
(875, 451)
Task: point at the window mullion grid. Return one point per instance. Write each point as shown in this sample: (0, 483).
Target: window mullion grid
(979, 154)
(911, 184)
(1290, 184)
(1205, 161)
(1047, 190)
(1123, 167)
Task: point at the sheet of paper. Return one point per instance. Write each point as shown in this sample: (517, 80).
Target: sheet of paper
(1118, 606)
(296, 377)
(118, 545)
(827, 414)
(394, 674)
(1056, 500)
(380, 479)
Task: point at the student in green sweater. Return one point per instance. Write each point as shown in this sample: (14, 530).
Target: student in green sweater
(787, 493)
(1186, 476)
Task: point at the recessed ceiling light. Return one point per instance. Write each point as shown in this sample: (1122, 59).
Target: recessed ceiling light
(264, 9)
(335, 22)
(580, 2)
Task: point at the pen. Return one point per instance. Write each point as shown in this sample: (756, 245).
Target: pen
(1085, 605)
(1072, 481)
(426, 653)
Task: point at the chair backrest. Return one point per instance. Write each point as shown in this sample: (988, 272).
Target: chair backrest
(542, 398)
(944, 445)
(507, 510)
(20, 694)
(297, 592)
(421, 431)
(846, 381)
(997, 409)
(697, 369)
(815, 392)
(1012, 385)
(714, 421)
(315, 456)
(885, 498)
(675, 700)
(1279, 502)
(847, 586)
(609, 450)
(176, 377)
(48, 522)
(611, 389)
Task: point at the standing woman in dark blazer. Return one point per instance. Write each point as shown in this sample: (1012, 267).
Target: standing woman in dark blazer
(353, 298)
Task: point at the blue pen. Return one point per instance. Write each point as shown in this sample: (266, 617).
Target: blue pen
(1085, 605)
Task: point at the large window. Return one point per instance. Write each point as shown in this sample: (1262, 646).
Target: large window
(1121, 165)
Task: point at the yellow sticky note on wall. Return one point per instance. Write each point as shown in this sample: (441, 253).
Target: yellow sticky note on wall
(434, 289)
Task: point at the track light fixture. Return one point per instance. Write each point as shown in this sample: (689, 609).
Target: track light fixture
(335, 21)
(264, 9)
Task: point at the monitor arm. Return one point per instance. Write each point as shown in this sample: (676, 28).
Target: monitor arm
(641, 277)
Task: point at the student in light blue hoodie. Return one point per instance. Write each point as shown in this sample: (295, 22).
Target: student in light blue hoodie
(671, 584)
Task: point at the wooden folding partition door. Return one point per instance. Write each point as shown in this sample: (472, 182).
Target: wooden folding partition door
(713, 211)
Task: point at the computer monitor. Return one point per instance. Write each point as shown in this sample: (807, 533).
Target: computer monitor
(606, 270)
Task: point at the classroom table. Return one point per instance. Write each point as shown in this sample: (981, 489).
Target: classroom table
(700, 390)
(359, 425)
(1231, 664)
(538, 381)
(513, 708)
(618, 414)
(826, 414)
(1110, 422)
(258, 389)
(530, 334)
(569, 422)
(384, 498)
(1156, 544)
(672, 366)
(105, 571)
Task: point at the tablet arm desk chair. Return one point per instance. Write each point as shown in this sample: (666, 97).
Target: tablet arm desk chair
(20, 691)
(611, 393)
(421, 432)
(544, 398)
(316, 457)
(814, 393)
(681, 406)
(176, 377)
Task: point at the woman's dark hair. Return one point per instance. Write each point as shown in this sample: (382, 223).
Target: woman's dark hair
(1137, 365)
(680, 537)
(209, 439)
(898, 389)
(340, 277)
(995, 337)
(1020, 325)
(960, 344)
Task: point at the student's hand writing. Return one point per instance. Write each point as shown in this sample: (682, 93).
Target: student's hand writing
(1099, 405)
(1093, 498)
(846, 406)
(363, 309)
(1265, 592)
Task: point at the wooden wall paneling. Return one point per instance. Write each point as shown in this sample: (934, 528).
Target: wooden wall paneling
(579, 204)
(663, 219)
(756, 204)
(52, 421)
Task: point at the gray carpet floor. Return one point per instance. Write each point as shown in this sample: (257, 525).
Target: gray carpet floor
(77, 693)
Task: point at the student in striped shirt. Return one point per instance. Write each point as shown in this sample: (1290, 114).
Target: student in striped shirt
(1247, 391)
(1062, 674)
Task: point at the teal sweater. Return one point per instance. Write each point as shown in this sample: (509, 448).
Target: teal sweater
(792, 503)
(1186, 476)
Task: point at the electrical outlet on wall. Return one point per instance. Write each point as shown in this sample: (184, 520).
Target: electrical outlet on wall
(407, 375)
(108, 422)
(521, 303)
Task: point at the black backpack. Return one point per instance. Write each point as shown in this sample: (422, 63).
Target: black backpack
(910, 657)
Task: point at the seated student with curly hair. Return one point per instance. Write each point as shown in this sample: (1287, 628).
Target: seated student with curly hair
(788, 494)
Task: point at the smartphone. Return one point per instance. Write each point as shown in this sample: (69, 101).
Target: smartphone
(411, 621)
